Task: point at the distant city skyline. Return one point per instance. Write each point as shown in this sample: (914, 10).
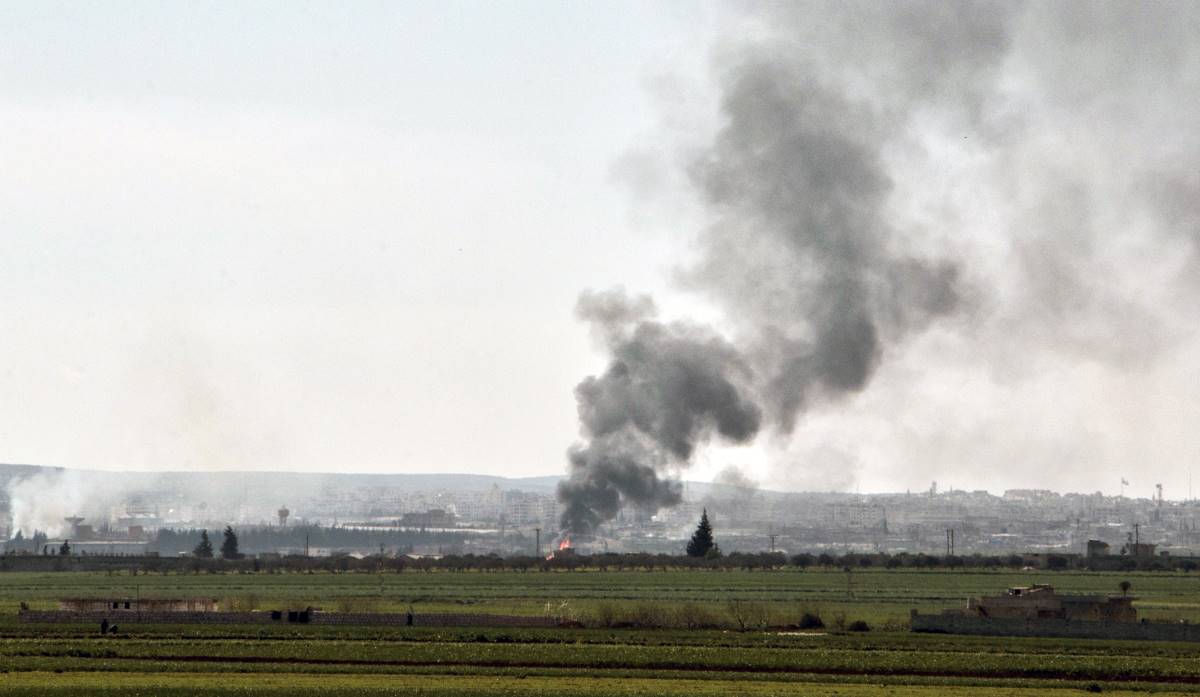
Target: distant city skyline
(483, 514)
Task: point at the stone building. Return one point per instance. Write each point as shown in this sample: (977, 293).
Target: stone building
(1040, 601)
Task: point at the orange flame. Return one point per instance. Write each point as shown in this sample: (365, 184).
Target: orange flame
(563, 545)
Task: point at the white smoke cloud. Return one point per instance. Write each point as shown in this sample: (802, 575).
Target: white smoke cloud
(43, 501)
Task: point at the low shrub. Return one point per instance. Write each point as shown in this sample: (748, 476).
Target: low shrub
(811, 620)
(693, 615)
(606, 614)
(648, 615)
(749, 615)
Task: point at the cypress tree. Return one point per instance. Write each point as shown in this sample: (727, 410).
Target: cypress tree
(702, 539)
(204, 549)
(229, 547)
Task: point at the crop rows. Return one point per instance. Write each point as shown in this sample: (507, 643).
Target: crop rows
(294, 685)
(316, 659)
(876, 595)
(599, 657)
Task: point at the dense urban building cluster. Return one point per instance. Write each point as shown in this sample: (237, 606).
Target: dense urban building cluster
(433, 515)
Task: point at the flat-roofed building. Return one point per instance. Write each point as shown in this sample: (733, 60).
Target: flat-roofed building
(1039, 601)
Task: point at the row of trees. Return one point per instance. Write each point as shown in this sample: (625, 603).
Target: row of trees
(229, 546)
(204, 557)
(259, 538)
(702, 552)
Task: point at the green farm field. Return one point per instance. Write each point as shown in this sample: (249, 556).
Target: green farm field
(720, 632)
(878, 596)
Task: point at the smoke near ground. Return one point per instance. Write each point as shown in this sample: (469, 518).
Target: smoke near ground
(45, 500)
(669, 389)
(924, 193)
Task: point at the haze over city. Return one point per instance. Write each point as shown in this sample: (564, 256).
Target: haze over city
(843, 348)
(854, 250)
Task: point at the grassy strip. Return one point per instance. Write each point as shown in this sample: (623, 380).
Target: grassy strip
(889, 641)
(163, 685)
(879, 596)
(19, 666)
(1102, 667)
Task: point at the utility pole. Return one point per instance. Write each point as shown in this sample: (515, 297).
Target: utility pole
(306, 545)
(537, 532)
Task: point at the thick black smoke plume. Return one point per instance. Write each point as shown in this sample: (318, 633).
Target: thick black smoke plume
(800, 253)
(668, 388)
(829, 114)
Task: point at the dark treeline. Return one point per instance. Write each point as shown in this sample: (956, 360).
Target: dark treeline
(1040, 560)
(257, 540)
(401, 562)
(26, 545)
(262, 547)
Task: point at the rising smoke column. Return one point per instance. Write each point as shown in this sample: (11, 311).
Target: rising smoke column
(800, 254)
(668, 389)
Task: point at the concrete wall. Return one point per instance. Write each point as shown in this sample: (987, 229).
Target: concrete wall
(138, 604)
(343, 618)
(133, 617)
(433, 620)
(1145, 631)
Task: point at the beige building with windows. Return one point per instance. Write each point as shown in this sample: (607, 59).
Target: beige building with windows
(1039, 601)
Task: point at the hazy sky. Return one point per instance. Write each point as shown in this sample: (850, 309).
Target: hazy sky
(313, 236)
(350, 237)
